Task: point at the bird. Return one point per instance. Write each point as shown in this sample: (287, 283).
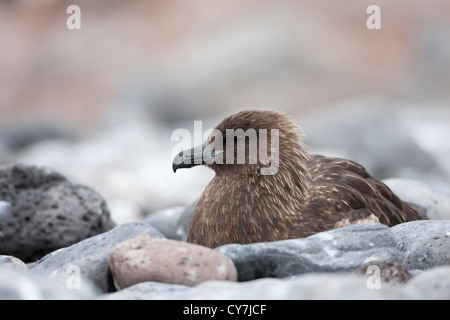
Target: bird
(254, 197)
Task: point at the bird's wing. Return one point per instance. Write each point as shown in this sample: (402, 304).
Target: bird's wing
(342, 192)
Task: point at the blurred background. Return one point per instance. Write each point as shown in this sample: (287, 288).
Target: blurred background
(99, 104)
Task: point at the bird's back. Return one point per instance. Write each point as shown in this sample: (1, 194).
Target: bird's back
(343, 193)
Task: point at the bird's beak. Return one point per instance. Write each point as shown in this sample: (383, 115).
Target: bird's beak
(195, 156)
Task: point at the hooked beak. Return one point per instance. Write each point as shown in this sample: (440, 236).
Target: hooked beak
(195, 156)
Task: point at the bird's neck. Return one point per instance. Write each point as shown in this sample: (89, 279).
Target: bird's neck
(290, 184)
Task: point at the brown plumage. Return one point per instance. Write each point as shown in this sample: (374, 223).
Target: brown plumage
(306, 195)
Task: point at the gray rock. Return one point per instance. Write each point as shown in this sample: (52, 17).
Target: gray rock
(430, 284)
(433, 283)
(16, 285)
(425, 243)
(90, 256)
(341, 249)
(13, 263)
(307, 286)
(5, 214)
(47, 212)
(435, 203)
(144, 291)
(19, 137)
(184, 222)
(166, 221)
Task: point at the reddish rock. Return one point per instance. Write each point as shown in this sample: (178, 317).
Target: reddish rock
(169, 261)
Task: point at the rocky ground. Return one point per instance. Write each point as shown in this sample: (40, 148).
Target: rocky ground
(149, 259)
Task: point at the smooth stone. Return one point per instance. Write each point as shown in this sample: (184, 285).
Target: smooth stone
(433, 283)
(434, 203)
(168, 261)
(19, 285)
(166, 221)
(182, 227)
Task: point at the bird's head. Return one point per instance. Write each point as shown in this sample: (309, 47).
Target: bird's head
(251, 142)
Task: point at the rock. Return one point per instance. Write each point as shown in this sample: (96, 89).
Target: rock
(184, 222)
(47, 212)
(318, 286)
(166, 221)
(389, 272)
(425, 243)
(6, 155)
(342, 249)
(435, 203)
(19, 137)
(17, 285)
(168, 261)
(90, 256)
(433, 283)
(145, 290)
(5, 214)
(13, 263)
(430, 284)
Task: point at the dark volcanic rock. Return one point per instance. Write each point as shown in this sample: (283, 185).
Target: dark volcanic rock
(425, 243)
(341, 249)
(90, 256)
(46, 212)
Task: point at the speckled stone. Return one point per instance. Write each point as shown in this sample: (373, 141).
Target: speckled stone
(168, 261)
(424, 243)
(41, 211)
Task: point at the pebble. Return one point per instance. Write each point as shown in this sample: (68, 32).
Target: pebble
(166, 221)
(44, 212)
(168, 261)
